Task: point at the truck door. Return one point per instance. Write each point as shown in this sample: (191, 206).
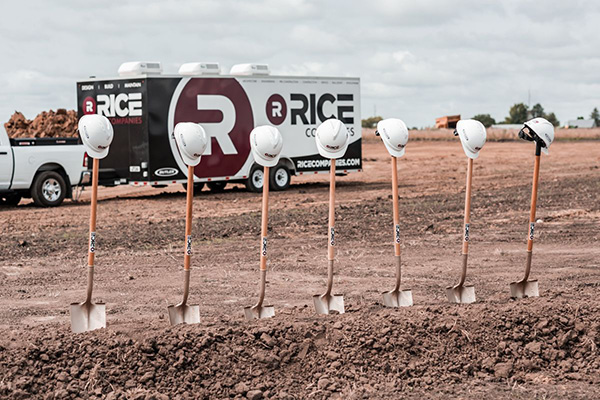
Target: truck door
(6, 160)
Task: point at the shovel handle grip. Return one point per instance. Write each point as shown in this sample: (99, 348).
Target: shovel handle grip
(331, 233)
(397, 248)
(94, 206)
(188, 219)
(534, 190)
(465, 245)
(264, 220)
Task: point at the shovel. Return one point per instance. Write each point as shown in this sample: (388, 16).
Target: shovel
(461, 293)
(327, 302)
(259, 311)
(397, 297)
(183, 313)
(88, 316)
(524, 287)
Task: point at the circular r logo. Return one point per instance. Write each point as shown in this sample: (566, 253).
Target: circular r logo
(276, 109)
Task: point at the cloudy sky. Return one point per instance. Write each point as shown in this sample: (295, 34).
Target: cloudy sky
(417, 60)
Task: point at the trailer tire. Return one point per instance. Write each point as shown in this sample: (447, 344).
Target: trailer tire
(280, 178)
(217, 186)
(48, 189)
(255, 179)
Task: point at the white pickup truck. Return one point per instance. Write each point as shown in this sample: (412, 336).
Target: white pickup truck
(45, 169)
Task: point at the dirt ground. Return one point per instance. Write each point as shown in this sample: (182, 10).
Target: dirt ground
(545, 347)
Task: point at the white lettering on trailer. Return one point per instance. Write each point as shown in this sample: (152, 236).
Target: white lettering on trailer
(111, 105)
(276, 111)
(219, 130)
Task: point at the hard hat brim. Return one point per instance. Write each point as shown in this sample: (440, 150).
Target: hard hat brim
(545, 150)
(187, 160)
(93, 152)
(264, 162)
(468, 152)
(394, 152)
(332, 154)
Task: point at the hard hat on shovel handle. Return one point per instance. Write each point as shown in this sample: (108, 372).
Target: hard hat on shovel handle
(538, 130)
(472, 136)
(332, 139)
(266, 143)
(191, 141)
(96, 133)
(394, 134)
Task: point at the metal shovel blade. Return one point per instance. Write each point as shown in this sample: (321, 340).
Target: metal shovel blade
(461, 294)
(256, 312)
(519, 290)
(87, 316)
(324, 304)
(398, 298)
(184, 314)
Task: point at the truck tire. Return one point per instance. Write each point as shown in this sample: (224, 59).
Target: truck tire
(254, 183)
(49, 189)
(280, 178)
(217, 187)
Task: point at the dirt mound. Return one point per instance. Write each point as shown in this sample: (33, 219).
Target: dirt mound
(369, 352)
(47, 124)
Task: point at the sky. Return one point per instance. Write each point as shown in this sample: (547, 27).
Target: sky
(417, 60)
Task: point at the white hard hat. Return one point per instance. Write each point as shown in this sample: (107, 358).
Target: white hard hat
(266, 143)
(472, 136)
(540, 130)
(192, 141)
(96, 133)
(332, 139)
(394, 134)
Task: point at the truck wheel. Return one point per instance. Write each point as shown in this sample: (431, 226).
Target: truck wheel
(217, 187)
(49, 189)
(197, 187)
(280, 178)
(254, 183)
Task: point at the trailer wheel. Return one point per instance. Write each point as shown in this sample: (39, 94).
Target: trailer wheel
(217, 187)
(254, 183)
(280, 178)
(49, 189)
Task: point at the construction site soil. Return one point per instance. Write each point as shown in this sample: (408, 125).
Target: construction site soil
(544, 347)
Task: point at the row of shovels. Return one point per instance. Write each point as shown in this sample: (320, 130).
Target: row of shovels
(88, 316)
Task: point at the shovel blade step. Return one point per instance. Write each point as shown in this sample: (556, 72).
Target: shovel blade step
(184, 314)
(461, 294)
(259, 312)
(519, 290)
(326, 304)
(87, 316)
(400, 298)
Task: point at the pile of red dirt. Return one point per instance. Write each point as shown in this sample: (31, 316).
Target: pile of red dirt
(47, 124)
(369, 352)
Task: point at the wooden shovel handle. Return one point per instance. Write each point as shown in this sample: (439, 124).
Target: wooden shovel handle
(397, 248)
(534, 189)
(331, 233)
(188, 218)
(465, 246)
(264, 220)
(94, 206)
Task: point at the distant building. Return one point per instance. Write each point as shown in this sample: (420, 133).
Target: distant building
(581, 123)
(449, 121)
(507, 126)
